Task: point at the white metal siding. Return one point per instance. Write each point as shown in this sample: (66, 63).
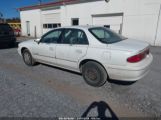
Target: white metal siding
(139, 20)
(34, 18)
(113, 21)
(51, 18)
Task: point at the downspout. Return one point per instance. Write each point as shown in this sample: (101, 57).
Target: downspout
(41, 23)
(157, 25)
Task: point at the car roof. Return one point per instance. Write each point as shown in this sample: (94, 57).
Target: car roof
(86, 27)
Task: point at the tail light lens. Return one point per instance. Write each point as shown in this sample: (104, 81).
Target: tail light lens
(138, 57)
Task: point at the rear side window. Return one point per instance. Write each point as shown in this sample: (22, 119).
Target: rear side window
(106, 35)
(74, 36)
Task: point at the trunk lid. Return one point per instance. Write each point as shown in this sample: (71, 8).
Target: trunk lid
(130, 45)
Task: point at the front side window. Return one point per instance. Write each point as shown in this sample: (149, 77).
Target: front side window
(106, 35)
(52, 37)
(74, 36)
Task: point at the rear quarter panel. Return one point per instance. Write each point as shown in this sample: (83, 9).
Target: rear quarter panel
(119, 57)
(109, 58)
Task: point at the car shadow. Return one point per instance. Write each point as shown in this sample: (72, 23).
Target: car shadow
(102, 107)
(112, 81)
(125, 83)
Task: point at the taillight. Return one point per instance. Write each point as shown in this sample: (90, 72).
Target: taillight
(138, 57)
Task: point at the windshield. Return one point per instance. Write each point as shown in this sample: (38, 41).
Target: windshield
(106, 35)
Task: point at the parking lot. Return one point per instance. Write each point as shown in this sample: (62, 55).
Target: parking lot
(45, 91)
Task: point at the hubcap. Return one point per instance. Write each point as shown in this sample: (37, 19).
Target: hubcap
(91, 74)
(27, 58)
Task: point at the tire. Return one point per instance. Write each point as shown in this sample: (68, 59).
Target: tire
(27, 58)
(94, 74)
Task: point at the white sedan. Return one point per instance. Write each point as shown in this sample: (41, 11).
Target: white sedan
(97, 52)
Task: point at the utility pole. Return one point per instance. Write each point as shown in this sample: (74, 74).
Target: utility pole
(1, 19)
(159, 17)
(1, 15)
(40, 2)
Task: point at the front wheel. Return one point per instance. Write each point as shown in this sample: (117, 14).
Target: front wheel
(27, 57)
(94, 74)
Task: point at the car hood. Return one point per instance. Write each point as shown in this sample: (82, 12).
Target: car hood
(130, 45)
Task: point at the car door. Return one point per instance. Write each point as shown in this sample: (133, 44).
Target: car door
(45, 50)
(73, 47)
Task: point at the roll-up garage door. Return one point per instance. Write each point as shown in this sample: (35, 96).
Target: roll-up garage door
(114, 22)
(50, 21)
(51, 18)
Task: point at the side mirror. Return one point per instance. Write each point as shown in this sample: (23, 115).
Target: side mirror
(37, 40)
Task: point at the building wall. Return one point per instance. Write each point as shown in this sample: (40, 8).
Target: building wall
(140, 20)
(139, 17)
(34, 17)
(84, 11)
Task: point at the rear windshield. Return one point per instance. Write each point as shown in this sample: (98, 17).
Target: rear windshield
(106, 35)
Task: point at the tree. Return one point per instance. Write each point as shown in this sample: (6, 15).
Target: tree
(1, 15)
(16, 19)
(40, 2)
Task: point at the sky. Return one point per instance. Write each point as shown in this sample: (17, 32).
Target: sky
(8, 7)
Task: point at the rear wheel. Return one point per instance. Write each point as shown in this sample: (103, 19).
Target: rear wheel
(27, 57)
(94, 74)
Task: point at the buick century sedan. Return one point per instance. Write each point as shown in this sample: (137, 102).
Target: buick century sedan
(98, 53)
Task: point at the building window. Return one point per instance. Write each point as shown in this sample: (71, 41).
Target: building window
(107, 26)
(75, 21)
(45, 26)
(51, 25)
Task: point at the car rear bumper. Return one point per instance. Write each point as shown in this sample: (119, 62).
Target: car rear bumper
(130, 73)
